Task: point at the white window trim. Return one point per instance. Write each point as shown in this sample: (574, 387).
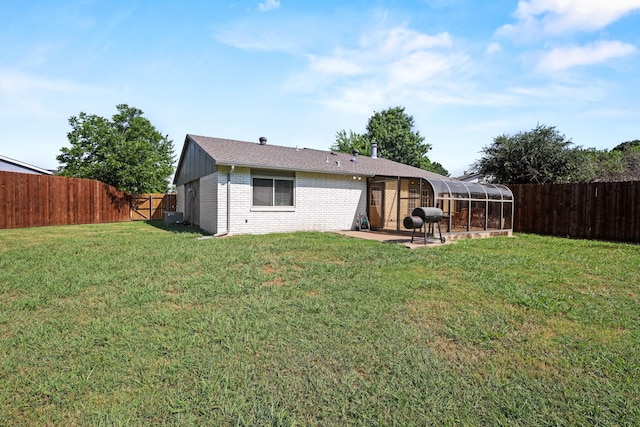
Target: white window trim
(274, 208)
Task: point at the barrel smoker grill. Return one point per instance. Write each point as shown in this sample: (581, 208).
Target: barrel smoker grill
(420, 217)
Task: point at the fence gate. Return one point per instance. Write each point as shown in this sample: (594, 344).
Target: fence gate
(151, 206)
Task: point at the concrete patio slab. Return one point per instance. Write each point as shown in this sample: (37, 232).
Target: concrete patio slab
(418, 241)
(401, 238)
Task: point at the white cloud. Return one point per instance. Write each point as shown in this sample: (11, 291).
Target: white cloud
(398, 51)
(359, 99)
(271, 33)
(18, 83)
(23, 92)
(255, 39)
(556, 93)
(563, 58)
(383, 66)
(403, 40)
(268, 5)
(421, 67)
(398, 65)
(615, 113)
(336, 65)
(554, 17)
(493, 48)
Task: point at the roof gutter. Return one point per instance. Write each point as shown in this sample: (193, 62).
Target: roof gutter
(339, 171)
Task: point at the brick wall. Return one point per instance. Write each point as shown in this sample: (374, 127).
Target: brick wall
(180, 206)
(323, 202)
(222, 199)
(209, 203)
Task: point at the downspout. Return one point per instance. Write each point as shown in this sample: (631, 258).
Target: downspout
(224, 233)
(229, 198)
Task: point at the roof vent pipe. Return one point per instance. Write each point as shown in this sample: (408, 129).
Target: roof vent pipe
(263, 140)
(374, 150)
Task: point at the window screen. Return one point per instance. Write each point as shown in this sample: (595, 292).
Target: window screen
(283, 192)
(272, 192)
(262, 192)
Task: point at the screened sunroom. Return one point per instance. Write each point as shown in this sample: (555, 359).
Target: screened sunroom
(469, 208)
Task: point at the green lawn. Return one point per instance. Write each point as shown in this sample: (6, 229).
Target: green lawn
(133, 324)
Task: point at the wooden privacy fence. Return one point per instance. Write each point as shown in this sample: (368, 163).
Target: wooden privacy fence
(600, 210)
(151, 206)
(29, 200)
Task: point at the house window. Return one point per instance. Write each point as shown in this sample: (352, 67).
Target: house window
(413, 198)
(269, 191)
(376, 195)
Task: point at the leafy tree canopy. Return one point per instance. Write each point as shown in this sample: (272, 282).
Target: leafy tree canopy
(126, 151)
(628, 146)
(541, 155)
(622, 163)
(392, 130)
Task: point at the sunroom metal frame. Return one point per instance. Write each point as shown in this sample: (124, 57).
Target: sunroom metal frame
(468, 207)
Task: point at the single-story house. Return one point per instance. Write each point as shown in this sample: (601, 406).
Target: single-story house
(11, 165)
(236, 187)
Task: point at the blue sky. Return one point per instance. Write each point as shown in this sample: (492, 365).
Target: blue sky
(297, 72)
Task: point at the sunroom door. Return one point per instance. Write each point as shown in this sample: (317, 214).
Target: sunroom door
(376, 214)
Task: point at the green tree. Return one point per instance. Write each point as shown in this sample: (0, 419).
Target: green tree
(392, 130)
(126, 151)
(435, 167)
(541, 155)
(631, 159)
(622, 163)
(351, 143)
(628, 146)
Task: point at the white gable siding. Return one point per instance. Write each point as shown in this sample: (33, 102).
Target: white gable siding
(10, 165)
(322, 202)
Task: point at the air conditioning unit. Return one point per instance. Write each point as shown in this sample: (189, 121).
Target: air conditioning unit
(171, 218)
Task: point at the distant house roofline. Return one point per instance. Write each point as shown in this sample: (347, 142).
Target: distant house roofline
(471, 177)
(24, 165)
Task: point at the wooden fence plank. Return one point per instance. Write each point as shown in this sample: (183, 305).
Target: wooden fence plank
(29, 200)
(606, 211)
(609, 228)
(152, 206)
(635, 211)
(4, 201)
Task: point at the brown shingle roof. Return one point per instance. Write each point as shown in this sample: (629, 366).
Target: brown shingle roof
(254, 155)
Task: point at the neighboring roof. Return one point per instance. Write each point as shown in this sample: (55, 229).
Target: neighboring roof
(471, 177)
(255, 155)
(11, 165)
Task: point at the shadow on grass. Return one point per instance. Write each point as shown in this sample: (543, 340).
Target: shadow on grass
(176, 228)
